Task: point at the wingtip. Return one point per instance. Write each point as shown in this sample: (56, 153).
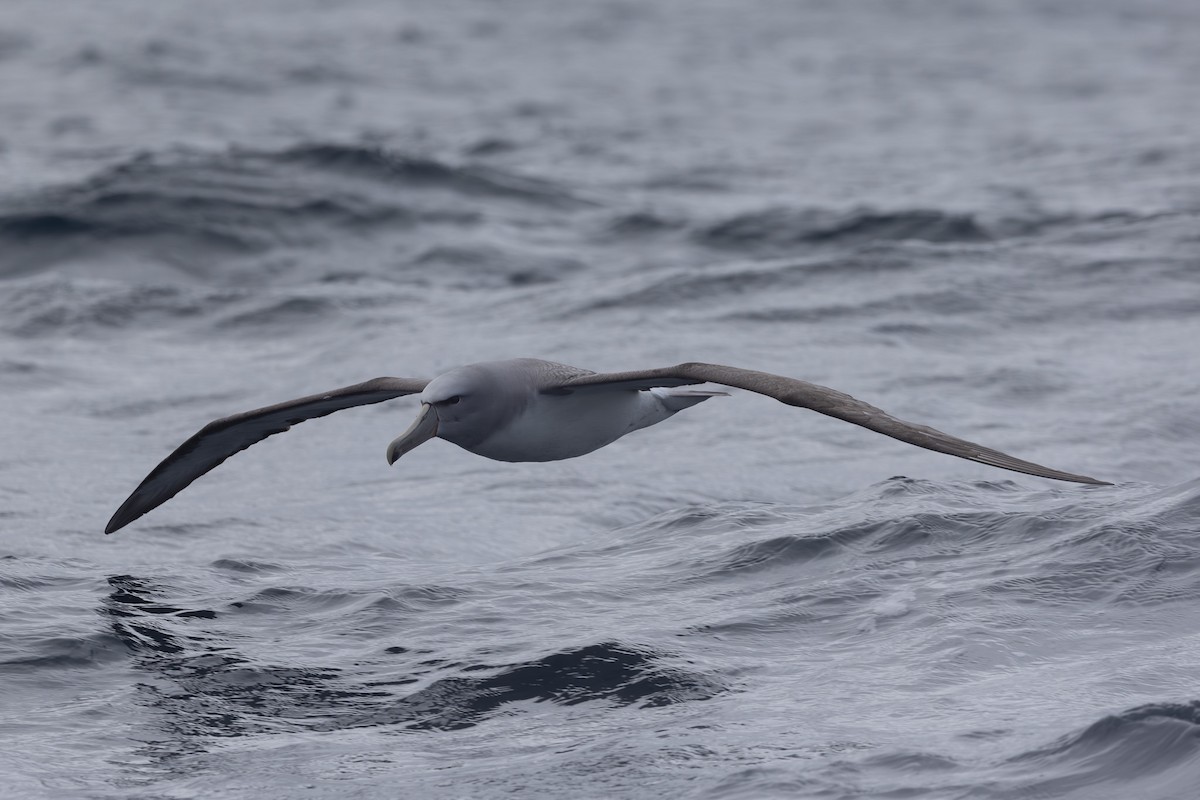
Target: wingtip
(120, 519)
(1084, 479)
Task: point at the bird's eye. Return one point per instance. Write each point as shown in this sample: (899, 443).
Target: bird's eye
(453, 401)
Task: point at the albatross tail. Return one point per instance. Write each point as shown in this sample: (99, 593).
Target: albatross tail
(677, 399)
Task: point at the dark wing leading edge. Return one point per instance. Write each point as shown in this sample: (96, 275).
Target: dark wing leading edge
(823, 400)
(220, 439)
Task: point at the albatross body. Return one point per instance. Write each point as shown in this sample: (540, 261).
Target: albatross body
(520, 410)
(527, 409)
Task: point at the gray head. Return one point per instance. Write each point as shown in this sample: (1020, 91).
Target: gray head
(466, 405)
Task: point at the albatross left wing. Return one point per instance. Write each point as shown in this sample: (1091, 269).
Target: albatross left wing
(822, 400)
(222, 438)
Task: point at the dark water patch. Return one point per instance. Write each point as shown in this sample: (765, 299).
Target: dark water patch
(58, 652)
(146, 638)
(205, 201)
(135, 617)
(300, 600)
(924, 306)
(721, 285)
(11, 367)
(689, 288)
(908, 330)
(1117, 270)
(223, 694)
(211, 689)
(780, 228)
(641, 223)
(415, 172)
(53, 308)
(484, 267)
(611, 671)
(287, 312)
(1114, 226)
(247, 566)
(491, 146)
(132, 597)
(696, 178)
(201, 208)
(321, 73)
(291, 310)
(346, 276)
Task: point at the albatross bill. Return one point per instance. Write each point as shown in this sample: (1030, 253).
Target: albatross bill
(527, 409)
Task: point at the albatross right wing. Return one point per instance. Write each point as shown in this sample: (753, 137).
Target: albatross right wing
(222, 438)
(823, 400)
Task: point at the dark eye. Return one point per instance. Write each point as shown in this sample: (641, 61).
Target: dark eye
(453, 401)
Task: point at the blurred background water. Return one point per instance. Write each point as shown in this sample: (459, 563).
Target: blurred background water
(980, 215)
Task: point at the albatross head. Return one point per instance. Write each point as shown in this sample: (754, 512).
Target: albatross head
(464, 406)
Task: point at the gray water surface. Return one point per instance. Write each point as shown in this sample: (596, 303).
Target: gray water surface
(980, 216)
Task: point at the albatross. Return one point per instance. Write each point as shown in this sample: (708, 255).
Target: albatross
(527, 409)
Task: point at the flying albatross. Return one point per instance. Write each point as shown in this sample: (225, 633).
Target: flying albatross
(527, 409)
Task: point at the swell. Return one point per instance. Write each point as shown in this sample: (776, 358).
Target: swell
(246, 202)
(782, 227)
(1009, 550)
(787, 228)
(50, 307)
(1152, 750)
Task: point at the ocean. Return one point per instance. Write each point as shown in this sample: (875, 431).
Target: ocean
(981, 216)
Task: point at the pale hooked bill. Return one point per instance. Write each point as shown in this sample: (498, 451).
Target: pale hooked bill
(532, 410)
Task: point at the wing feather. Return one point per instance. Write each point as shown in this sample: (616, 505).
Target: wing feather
(824, 401)
(222, 438)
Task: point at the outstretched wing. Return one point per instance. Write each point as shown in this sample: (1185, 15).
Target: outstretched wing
(220, 439)
(823, 400)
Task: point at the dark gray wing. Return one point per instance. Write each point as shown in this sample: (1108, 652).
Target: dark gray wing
(220, 439)
(823, 400)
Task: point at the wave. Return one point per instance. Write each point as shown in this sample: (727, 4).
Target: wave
(720, 283)
(379, 165)
(64, 652)
(487, 266)
(788, 227)
(1150, 751)
(189, 209)
(52, 306)
(609, 671)
(785, 227)
(56, 307)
